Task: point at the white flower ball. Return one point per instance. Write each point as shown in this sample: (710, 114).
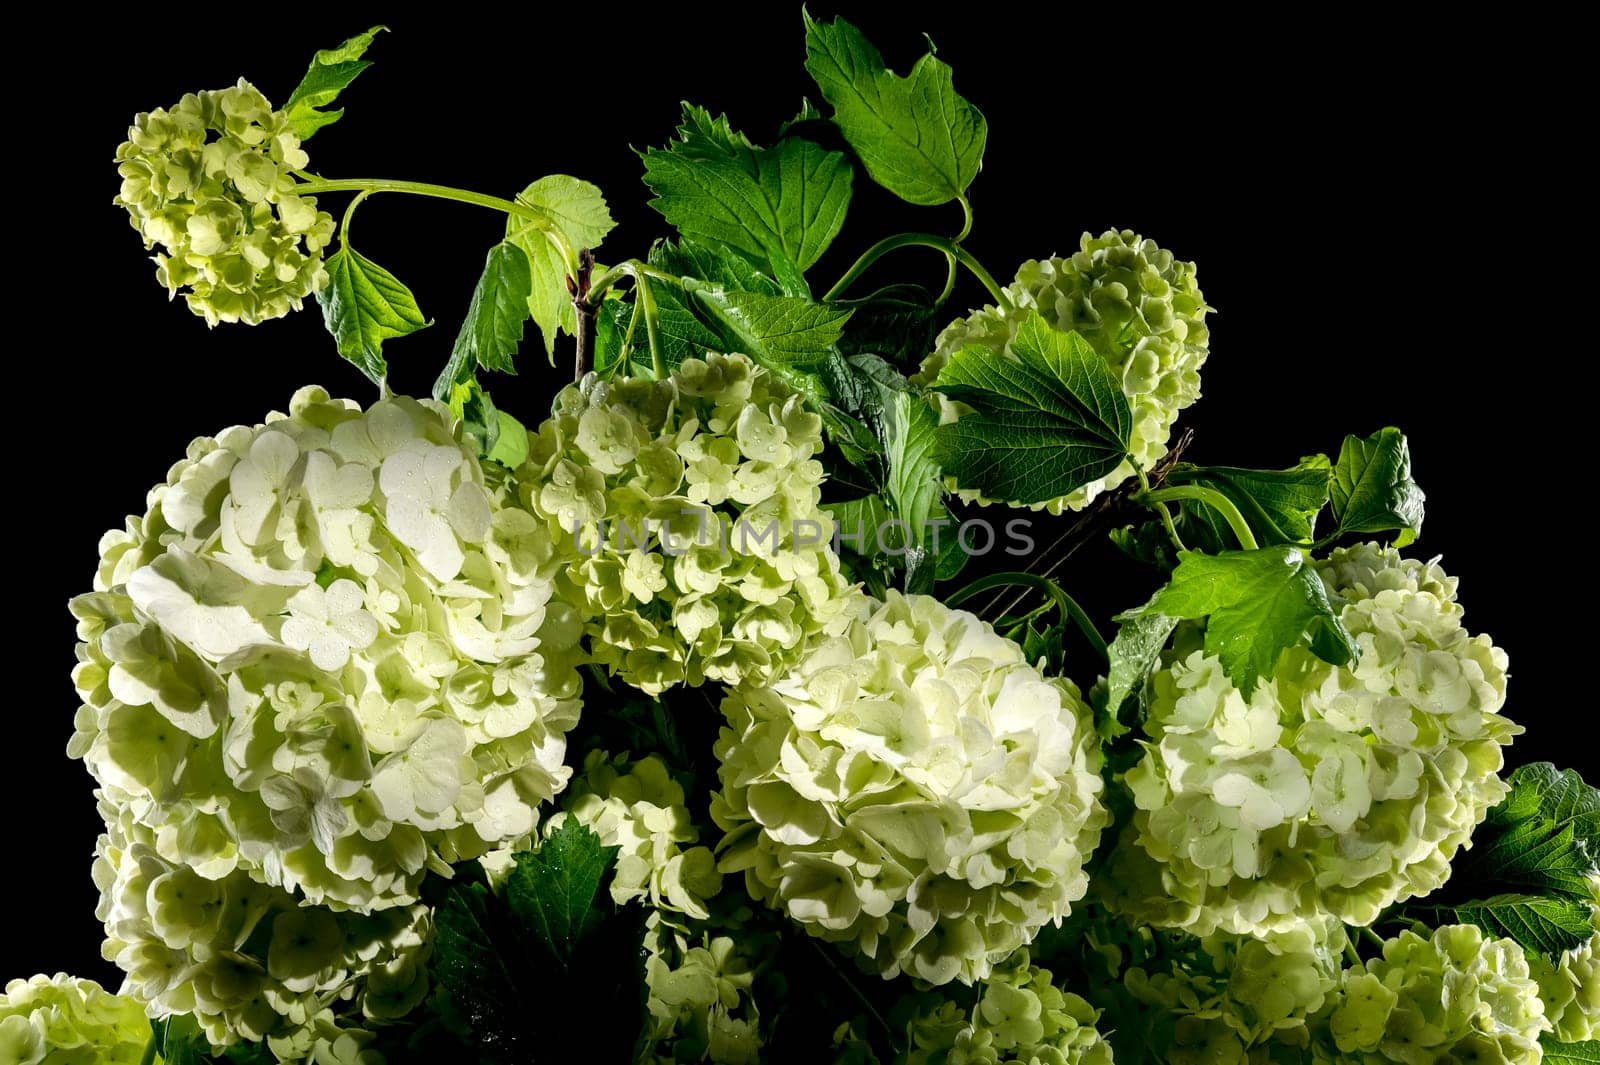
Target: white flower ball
(913, 790)
(328, 657)
(1331, 789)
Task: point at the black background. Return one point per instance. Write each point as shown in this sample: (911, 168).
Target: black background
(1380, 219)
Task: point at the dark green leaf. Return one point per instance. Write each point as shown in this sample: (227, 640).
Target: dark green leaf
(511, 448)
(857, 442)
(1281, 506)
(897, 323)
(1543, 923)
(476, 411)
(493, 327)
(1585, 1053)
(1527, 872)
(779, 207)
(470, 932)
(1372, 490)
(1135, 654)
(363, 305)
(1044, 423)
(916, 135)
(576, 209)
(180, 1041)
(555, 890)
(1257, 604)
(332, 70)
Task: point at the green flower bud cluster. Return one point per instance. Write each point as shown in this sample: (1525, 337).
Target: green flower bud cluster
(687, 514)
(1331, 789)
(1570, 989)
(251, 961)
(1137, 306)
(62, 1020)
(1021, 1018)
(328, 657)
(913, 790)
(638, 807)
(211, 181)
(699, 998)
(1237, 998)
(1452, 997)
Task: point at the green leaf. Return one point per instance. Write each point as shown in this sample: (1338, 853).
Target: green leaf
(1044, 423)
(470, 929)
(779, 207)
(688, 258)
(1527, 873)
(493, 327)
(331, 72)
(916, 135)
(180, 1041)
(1372, 490)
(511, 448)
(555, 890)
(1135, 653)
(914, 488)
(363, 305)
(1258, 604)
(1542, 923)
(776, 331)
(1281, 506)
(578, 210)
(472, 406)
(1555, 1053)
(897, 323)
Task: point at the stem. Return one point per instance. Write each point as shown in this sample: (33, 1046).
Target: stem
(966, 218)
(1377, 940)
(349, 213)
(949, 281)
(533, 215)
(583, 326)
(1165, 512)
(919, 240)
(1065, 603)
(150, 1048)
(646, 301)
(1211, 498)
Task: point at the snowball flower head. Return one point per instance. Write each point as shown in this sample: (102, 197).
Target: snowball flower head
(1452, 997)
(327, 656)
(1137, 306)
(914, 790)
(699, 997)
(1022, 1018)
(211, 181)
(62, 1020)
(1570, 989)
(1331, 789)
(686, 512)
(250, 961)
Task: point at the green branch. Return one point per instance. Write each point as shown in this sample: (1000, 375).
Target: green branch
(919, 240)
(1065, 603)
(1211, 498)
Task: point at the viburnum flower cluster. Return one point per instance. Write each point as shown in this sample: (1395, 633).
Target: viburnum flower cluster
(1141, 310)
(60, 1019)
(913, 790)
(211, 181)
(687, 514)
(1331, 789)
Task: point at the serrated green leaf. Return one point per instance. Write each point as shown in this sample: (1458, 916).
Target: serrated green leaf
(1556, 1053)
(471, 406)
(1257, 605)
(781, 331)
(492, 328)
(363, 305)
(916, 135)
(555, 890)
(578, 210)
(779, 207)
(1134, 654)
(1527, 872)
(688, 258)
(468, 963)
(896, 323)
(1543, 923)
(331, 72)
(1280, 506)
(1372, 490)
(1043, 424)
